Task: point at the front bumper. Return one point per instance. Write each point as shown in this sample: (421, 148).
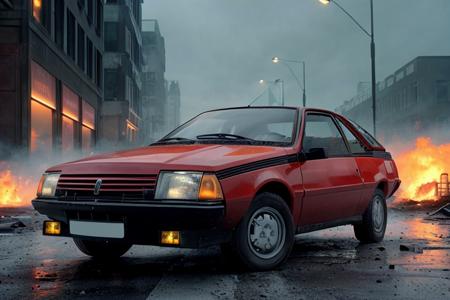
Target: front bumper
(200, 223)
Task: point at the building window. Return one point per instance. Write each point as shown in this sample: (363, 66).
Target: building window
(110, 85)
(390, 81)
(88, 127)
(41, 129)
(90, 11)
(414, 93)
(111, 36)
(70, 35)
(41, 12)
(442, 91)
(129, 91)
(71, 116)
(43, 103)
(90, 58)
(131, 132)
(99, 69)
(410, 69)
(81, 4)
(128, 41)
(68, 134)
(42, 86)
(81, 47)
(399, 76)
(99, 18)
(59, 23)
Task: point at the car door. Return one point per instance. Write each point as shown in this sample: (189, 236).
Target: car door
(331, 178)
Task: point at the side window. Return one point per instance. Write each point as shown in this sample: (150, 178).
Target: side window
(355, 145)
(321, 132)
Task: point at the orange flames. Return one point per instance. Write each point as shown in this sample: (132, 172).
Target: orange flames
(15, 191)
(420, 169)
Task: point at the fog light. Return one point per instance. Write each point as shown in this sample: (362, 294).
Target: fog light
(52, 228)
(170, 237)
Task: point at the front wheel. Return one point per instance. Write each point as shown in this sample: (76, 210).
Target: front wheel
(373, 225)
(265, 236)
(102, 249)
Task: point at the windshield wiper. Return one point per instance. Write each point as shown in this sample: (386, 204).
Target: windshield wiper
(223, 136)
(174, 139)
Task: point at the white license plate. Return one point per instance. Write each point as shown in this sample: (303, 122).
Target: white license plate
(97, 229)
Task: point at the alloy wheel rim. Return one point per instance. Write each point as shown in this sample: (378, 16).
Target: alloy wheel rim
(266, 232)
(378, 214)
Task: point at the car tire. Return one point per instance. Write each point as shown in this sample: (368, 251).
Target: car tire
(373, 225)
(265, 244)
(102, 249)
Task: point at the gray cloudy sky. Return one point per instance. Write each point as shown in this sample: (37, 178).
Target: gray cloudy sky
(219, 49)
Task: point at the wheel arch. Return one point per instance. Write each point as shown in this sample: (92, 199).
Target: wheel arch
(279, 188)
(383, 186)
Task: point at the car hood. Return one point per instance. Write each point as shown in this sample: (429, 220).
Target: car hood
(152, 159)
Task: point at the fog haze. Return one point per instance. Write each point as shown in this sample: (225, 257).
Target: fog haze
(219, 49)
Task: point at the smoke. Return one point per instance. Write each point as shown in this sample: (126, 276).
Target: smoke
(20, 171)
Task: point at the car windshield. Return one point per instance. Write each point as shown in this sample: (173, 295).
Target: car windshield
(249, 125)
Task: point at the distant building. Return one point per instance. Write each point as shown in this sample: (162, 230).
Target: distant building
(122, 109)
(413, 101)
(173, 105)
(51, 75)
(154, 83)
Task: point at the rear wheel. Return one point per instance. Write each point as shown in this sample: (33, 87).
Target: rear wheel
(102, 249)
(373, 225)
(264, 238)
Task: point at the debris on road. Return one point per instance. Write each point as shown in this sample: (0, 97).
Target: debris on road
(444, 210)
(411, 248)
(10, 226)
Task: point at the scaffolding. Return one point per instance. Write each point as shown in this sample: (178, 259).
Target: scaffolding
(443, 187)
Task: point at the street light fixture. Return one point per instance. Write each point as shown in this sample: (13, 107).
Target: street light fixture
(276, 60)
(371, 35)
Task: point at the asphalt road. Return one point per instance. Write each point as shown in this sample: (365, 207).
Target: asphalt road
(328, 264)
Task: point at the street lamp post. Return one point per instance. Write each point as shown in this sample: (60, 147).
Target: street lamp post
(276, 60)
(371, 35)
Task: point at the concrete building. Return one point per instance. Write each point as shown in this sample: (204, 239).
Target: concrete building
(122, 109)
(154, 82)
(173, 105)
(51, 75)
(413, 101)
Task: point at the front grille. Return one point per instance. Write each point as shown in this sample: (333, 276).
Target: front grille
(114, 188)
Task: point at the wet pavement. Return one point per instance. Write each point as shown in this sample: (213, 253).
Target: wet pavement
(413, 262)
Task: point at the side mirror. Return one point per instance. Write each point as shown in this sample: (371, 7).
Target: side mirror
(316, 153)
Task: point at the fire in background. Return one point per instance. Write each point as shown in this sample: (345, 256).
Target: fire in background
(15, 190)
(421, 168)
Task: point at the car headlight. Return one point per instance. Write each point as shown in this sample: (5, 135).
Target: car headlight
(47, 185)
(188, 186)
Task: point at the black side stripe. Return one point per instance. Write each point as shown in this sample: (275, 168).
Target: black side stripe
(253, 166)
(376, 154)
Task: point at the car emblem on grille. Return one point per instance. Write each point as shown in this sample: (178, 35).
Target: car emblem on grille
(98, 185)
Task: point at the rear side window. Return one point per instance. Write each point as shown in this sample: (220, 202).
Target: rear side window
(370, 139)
(355, 144)
(321, 132)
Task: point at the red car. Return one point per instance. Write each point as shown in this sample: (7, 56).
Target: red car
(248, 179)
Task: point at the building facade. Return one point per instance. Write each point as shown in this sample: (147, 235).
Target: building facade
(122, 109)
(51, 75)
(413, 101)
(154, 91)
(173, 105)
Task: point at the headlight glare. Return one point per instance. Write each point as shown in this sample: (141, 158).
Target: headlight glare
(178, 185)
(47, 185)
